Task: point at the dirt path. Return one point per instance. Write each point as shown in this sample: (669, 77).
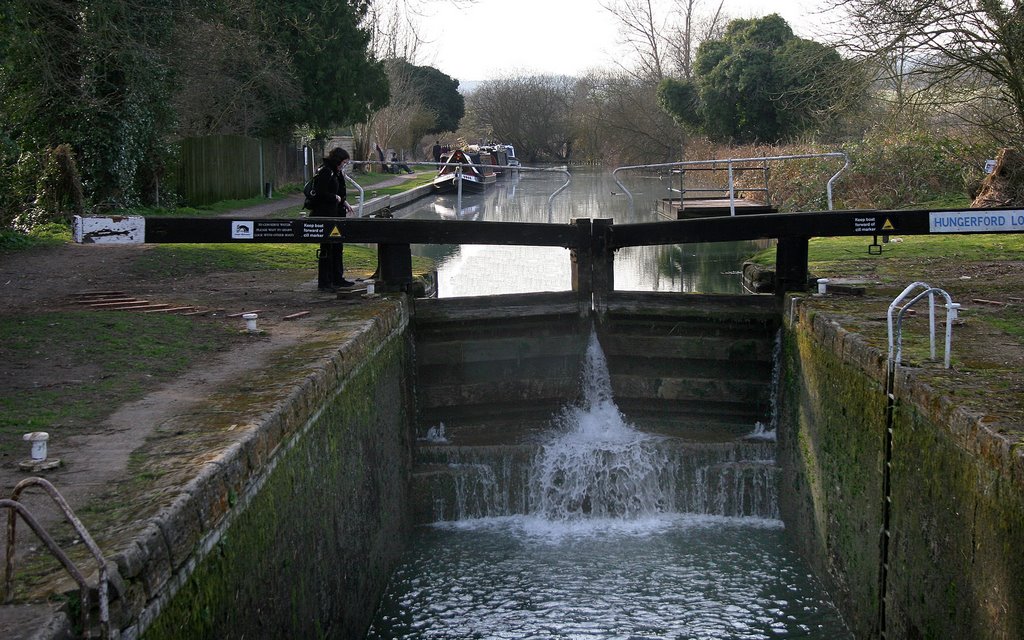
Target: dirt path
(95, 458)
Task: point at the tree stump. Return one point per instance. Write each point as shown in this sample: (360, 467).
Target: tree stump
(1004, 187)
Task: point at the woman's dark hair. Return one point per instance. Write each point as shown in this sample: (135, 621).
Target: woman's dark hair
(336, 157)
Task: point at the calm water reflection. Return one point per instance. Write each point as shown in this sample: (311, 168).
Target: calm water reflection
(592, 193)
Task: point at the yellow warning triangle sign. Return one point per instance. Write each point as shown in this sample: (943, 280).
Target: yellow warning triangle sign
(337, 234)
(888, 226)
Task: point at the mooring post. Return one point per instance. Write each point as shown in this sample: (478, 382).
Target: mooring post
(395, 261)
(791, 264)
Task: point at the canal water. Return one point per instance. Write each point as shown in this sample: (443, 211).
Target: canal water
(607, 549)
(592, 193)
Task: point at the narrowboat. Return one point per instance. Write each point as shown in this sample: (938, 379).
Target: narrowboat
(474, 177)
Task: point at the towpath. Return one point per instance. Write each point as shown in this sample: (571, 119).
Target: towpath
(95, 458)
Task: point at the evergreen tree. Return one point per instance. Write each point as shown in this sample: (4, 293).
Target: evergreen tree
(758, 83)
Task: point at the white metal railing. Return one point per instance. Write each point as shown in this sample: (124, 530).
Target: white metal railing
(730, 165)
(16, 508)
(458, 181)
(896, 335)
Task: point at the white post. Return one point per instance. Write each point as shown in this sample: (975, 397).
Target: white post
(458, 190)
(951, 314)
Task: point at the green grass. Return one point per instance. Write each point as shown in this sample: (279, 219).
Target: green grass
(175, 260)
(824, 252)
(171, 260)
(215, 208)
(950, 201)
(1009, 320)
(93, 362)
(411, 183)
(47, 235)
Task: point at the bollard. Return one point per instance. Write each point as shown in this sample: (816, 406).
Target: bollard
(38, 440)
(822, 286)
(250, 321)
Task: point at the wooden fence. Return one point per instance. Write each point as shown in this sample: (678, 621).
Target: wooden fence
(230, 167)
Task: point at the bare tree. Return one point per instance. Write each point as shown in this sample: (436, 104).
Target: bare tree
(622, 121)
(963, 56)
(664, 41)
(395, 29)
(692, 28)
(405, 119)
(533, 113)
(643, 31)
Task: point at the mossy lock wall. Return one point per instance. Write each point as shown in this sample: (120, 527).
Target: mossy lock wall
(955, 568)
(312, 550)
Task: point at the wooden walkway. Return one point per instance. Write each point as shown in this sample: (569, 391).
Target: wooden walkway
(709, 207)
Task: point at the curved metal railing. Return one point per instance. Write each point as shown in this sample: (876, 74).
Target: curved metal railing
(896, 335)
(439, 165)
(18, 509)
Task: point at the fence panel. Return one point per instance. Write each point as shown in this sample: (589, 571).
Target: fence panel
(231, 167)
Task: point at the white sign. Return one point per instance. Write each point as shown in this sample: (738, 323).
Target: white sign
(990, 166)
(241, 229)
(113, 230)
(975, 221)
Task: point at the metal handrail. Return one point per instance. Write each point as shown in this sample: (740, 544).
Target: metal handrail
(439, 165)
(896, 336)
(17, 508)
(730, 162)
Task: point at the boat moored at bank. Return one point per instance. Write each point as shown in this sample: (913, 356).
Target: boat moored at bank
(468, 167)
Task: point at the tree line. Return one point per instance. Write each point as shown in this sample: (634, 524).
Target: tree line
(941, 68)
(94, 93)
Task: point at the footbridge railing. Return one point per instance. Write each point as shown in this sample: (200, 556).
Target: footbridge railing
(592, 242)
(732, 166)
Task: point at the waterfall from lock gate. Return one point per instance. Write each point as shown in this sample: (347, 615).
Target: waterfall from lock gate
(603, 531)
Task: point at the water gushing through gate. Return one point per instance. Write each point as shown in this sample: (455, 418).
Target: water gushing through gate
(603, 531)
(596, 464)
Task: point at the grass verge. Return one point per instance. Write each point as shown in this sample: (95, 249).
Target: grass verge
(174, 260)
(100, 361)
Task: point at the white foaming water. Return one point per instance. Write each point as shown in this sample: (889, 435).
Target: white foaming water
(767, 432)
(435, 435)
(598, 466)
(596, 473)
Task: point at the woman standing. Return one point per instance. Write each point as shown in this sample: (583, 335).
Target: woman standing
(329, 202)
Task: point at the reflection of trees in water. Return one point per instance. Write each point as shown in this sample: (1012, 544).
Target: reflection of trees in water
(709, 267)
(592, 193)
(436, 252)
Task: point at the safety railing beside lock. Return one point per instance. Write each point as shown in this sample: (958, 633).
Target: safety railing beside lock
(896, 334)
(15, 509)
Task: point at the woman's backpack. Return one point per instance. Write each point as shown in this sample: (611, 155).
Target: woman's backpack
(310, 192)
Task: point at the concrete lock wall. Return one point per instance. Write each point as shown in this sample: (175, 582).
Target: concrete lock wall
(311, 552)
(955, 567)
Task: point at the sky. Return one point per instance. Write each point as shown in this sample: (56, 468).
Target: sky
(490, 38)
